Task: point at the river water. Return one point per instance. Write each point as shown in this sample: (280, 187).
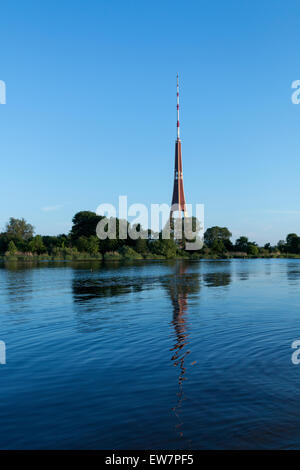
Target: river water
(150, 355)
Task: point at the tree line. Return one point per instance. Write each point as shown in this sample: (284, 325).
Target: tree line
(19, 240)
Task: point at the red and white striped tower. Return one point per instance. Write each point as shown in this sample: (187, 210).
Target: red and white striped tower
(178, 199)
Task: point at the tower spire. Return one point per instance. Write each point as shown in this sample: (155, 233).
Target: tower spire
(178, 199)
(178, 127)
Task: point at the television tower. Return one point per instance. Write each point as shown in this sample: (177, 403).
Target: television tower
(178, 199)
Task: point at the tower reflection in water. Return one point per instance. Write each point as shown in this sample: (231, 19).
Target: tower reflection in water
(179, 287)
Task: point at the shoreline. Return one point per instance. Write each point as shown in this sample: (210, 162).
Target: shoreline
(44, 259)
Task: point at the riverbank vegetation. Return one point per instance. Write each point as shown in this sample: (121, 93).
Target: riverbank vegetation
(19, 242)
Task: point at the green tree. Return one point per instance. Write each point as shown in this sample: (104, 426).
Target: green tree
(129, 253)
(4, 241)
(53, 242)
(241, 244)
(110, 245)
(141, 245)
(12, 248)
(36, 245)
(253, 249)
(88, 244)
(93, 245)
(217, 234)
(113, 242)
(281, 246)
(165, 248)
(293, 243)
(84, 224)
(82, 244)
(218, 247)
(19, 228)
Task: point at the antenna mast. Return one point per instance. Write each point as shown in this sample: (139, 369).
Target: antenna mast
(178, 128)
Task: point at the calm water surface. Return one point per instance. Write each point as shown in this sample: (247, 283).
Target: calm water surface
(151, 355)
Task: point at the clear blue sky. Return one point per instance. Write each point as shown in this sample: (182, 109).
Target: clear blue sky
(91, 109)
